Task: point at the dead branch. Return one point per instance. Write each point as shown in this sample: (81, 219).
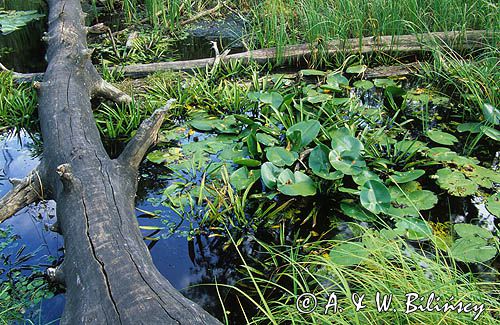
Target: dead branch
(25, 191)
(146, 135)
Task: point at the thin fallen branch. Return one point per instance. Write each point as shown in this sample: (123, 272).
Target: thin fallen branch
(401, 43)
(146, 135)
(25, 191)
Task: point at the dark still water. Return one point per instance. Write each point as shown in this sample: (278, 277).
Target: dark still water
(186, 264)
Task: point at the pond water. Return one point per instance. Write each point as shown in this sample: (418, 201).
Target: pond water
(186, 264)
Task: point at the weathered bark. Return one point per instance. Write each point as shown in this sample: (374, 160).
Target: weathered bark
(294, 53)
(108, 272)
(403, 43)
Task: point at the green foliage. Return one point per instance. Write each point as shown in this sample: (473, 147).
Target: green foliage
(18, 105)
(374, 261)
(21, 286)
(13, 20)
(474, 244)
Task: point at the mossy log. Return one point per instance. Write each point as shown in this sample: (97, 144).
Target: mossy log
(108, 272)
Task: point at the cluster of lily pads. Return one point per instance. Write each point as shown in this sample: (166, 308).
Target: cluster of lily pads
(308, 138)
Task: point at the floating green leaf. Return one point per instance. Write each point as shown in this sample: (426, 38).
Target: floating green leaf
(472, 250)
(308, 131)
(469, 230)
(357, 212)
(320, 165)
(242, 178)
(384, 83)
(247, 162)
(441, 137)
(346, 164)
(455, 182)
(375, 197)
(295, 184)
(493, 204)
(345, 144)
(364, 84)
(266, 139)
(274, 99)
(280, 157)
(269, 174)
(404, 177)
(357, 69)
(312, 72)
(414, 228)
(350, 253)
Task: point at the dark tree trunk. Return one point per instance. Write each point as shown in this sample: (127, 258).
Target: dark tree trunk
(108, 272)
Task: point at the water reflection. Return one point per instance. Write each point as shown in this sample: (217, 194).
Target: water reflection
(186, 264)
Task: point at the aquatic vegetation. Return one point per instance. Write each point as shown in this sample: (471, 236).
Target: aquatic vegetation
(308, 138)
(372, 265)
(12, 20)
(22, 287)
(18, 103)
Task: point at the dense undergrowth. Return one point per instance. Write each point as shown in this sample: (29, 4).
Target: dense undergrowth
(347, 185)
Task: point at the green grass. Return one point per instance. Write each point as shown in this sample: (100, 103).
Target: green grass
(283, 22)
(393, 266)
(18, 104)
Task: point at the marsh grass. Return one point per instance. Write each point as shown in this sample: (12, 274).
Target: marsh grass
(472, 81)
(283, 22)
(18, 103)
(393, 266)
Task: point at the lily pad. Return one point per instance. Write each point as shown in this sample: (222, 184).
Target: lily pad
(266, 139)
(312, 72)
(468, 230)
(320, 165)
(357, 69)
(280, 157)
(442, 137)
(295, 184)
(414, 228)
(357, 212)
(348, 254)
(247, 162)
(375, 197)
(455, 182)
(384, 82)
(472, 250)
(404, 177)
(274, 99)
(307, 131)
(364, 84)
(493, 204)
(269, 174)
(345, 144)
(242, 178)
(346, 164)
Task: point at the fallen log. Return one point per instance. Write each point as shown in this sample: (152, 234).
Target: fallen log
(404, 43)
(108, 272)
(296, 53)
